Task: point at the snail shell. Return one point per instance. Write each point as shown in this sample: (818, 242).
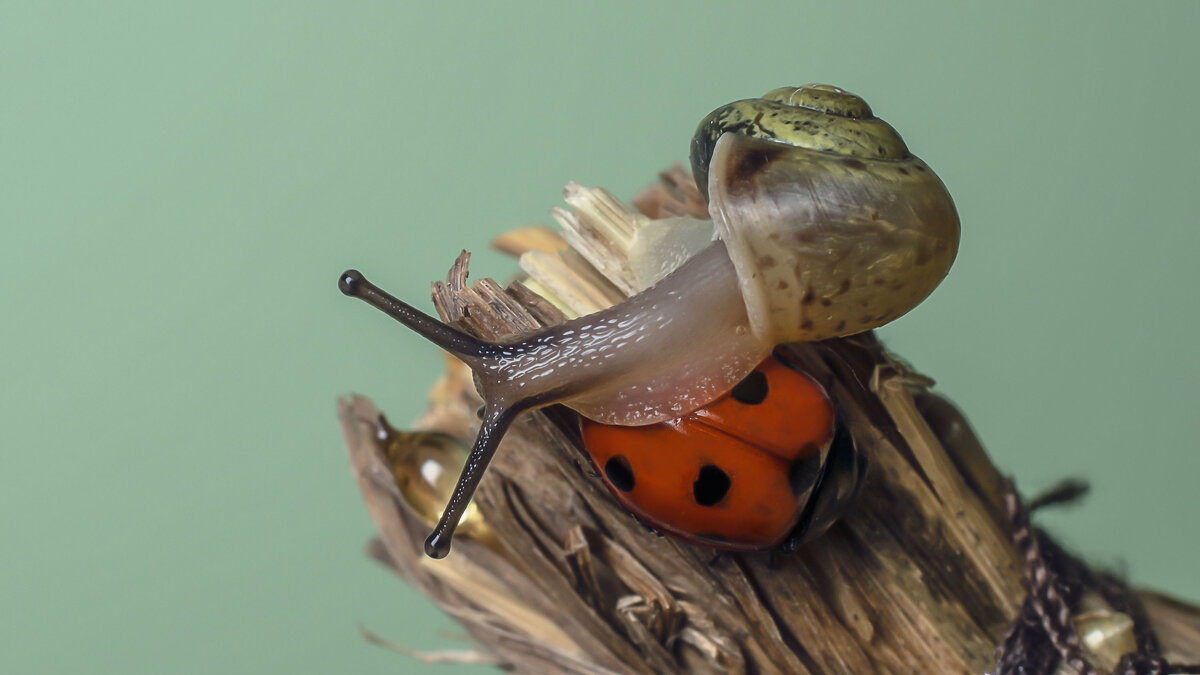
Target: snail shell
(833, 227)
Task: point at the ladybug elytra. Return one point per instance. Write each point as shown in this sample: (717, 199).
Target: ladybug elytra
(768, 464)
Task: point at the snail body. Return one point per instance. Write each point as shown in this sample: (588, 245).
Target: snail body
(826, 227)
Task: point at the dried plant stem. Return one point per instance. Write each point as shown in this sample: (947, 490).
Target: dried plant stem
(921, 577)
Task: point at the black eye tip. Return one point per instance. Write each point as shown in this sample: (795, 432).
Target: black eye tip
(350, 282)
(436, 546)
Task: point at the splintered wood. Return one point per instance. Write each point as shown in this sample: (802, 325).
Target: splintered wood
(920, 577)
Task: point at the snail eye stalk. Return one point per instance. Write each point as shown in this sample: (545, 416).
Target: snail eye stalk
(473, 352)
(495, 423)
(465, 347)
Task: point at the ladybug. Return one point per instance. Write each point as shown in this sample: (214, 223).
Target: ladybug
(767, 465)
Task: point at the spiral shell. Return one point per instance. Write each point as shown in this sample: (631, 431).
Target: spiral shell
(833, 226)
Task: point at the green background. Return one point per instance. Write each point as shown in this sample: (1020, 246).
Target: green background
(180, 186)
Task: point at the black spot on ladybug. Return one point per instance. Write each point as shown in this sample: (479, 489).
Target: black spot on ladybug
(854, 163)
(619, 473)
(711, 485)
(803, 471)
(752, 390)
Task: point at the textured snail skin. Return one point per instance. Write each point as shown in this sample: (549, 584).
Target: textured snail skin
(827, 227)
(660, 354)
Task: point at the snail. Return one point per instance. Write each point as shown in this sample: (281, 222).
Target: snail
(826, 226)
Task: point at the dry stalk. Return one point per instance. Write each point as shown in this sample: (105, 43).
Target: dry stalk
(921, 577)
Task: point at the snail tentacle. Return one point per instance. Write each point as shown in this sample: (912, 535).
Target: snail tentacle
(355, 285)
(495, 422)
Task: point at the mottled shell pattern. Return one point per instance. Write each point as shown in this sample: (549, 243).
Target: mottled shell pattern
(833, 226)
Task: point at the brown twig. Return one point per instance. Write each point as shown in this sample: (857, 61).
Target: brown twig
(921, 576)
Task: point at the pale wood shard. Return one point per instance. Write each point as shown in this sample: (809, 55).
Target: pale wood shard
(1177, 625)
(920, 577)
(592, 273)
(577, 286)
(532, 238)
(601, 229)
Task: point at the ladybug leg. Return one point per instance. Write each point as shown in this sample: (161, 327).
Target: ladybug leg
(590, 472)
(646, 525)
(716, 558)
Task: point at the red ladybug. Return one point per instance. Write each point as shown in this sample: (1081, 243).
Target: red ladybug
(766, 465)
